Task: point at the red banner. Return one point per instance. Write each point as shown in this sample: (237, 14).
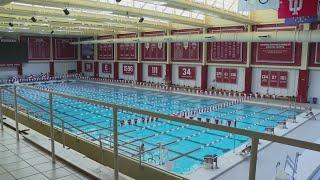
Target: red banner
(154, 51)
(219, 75)
(225, 73)
(275, 52)
(10, 65)
(105, 51)
(88, 67)
(187, 72)
(283, 79)
(297, 8)
(233, 76)
(128, 69)
(154, 70)
(265, 78)
(106, 68)
(63, 50)
(274, 78)
(186, 51)
(317, 56)
(127, 51)
(38, 48)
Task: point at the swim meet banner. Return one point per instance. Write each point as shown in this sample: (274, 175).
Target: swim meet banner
(186, 51)
(128, 69)
(297, 8)
(226, 75)
(154, 51)
(154, 70)
(106, 68)
(39, 48)
(277, 52)
(105, 51)
(186, 72)
(275, 79)
(63, 50)
(88, 67)
(127, 51)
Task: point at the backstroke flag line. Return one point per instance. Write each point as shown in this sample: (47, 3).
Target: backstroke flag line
(251, 5)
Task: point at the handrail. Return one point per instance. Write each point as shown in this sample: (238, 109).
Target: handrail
(47, 111)
(251, 134)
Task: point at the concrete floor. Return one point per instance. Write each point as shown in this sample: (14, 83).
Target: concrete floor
(268, 157)
(21, 160)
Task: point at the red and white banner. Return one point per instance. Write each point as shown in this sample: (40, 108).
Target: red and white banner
(275, 52)
(154, 51)
(265, 78)
(10, 65)
(275, 79)
(297, 8)
(219, 75)
(187, 72)
(186, 51)
(128, 69)
(106, 68)
(63, 50)
(88, 67)
(154, 70)
(38, 48)
(226, 75)
(283, 79)
(105, 51)
(226, 51)
(127, 51)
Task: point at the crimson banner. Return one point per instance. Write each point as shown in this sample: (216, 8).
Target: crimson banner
(63, 50)
(186, 51)
(225, 73)
(38, 48)
(105, 51)
(265, 78)
(154, 70)
(187, 72)
(128, 69)
(283, 79)
(154, 51)
(317, 56)
(219, 75)
(297, 8)
(233, 76)
(282, 52)
(127, 51)
(88, 67)
(106, 68)
(274, 78)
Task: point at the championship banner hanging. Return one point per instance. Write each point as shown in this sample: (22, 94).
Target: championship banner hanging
(155, 71)
(128, 69)
(297, 8)
(106, 68)
(88, 67)
(187, 73)
(275, 79)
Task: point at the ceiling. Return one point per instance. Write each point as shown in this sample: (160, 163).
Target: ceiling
(103, 17)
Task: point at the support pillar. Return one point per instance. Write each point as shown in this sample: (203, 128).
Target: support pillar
(115, 70)
(51, 69)
(248, 80)
(204, 77)
(96, 69)
(79, 67)
(19, 69)
(139, 72)
(303, 86)
(168, 75)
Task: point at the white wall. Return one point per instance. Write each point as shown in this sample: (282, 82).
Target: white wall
(101, 74)
(6, 72)
(239, 86)
(62, 67)
(314, 85)
(291, 90)
(35, 68)
(153, 79)
(191, 83)
(127, 77)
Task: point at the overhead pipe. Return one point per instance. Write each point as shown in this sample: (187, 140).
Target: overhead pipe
(272, 36)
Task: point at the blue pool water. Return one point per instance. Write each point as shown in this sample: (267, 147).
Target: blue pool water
(184, 145)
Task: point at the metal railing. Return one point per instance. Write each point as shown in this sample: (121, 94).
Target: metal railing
(255, 136)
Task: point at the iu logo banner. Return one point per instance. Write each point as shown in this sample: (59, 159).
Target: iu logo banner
(251, 5)
(297, 8)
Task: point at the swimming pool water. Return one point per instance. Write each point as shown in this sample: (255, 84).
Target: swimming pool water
(185, 145)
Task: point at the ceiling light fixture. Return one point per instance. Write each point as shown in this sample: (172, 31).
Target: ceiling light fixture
(66, 11)
(141, 19)
(33, 19)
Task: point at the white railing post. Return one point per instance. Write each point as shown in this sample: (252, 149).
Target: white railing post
(16, 111)
(51, 128)
(115, 143)
(253, 159)
(1, 115)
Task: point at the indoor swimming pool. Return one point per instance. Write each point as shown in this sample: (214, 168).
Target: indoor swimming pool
(164, 141)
